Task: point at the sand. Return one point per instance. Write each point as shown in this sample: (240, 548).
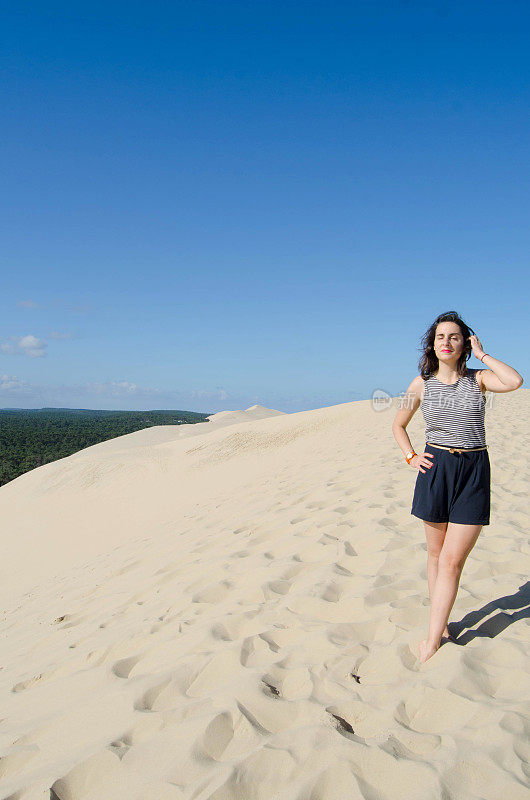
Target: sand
(231, 610)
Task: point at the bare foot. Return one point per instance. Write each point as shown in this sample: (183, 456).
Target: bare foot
(426, 652)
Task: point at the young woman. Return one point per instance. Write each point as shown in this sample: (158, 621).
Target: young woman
(452, 491)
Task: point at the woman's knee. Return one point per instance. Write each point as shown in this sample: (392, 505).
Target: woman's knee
(451, 562)
(459, 542)
(433, 555)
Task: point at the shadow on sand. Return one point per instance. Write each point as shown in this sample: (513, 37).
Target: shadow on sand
(511, 608)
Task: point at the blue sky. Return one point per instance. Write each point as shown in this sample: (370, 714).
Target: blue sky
(208, 205)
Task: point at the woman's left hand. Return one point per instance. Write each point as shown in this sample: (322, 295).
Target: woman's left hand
(476, 346)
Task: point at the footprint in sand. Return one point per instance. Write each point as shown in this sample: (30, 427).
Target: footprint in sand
(197, 678)
(293, 571)
(104, 775)
(428, 710)
(163, 695)
(332, 592)
(236, 626)
(289, 684)
(312, 553)
(256, 653)
(296, 520)
(277, 638)
(123, 668)
(214, 593)
(70, 666)
(341, 510)
(70, 620)
(336, 783)
(229, 736)
(273, 588)
(359, 718)
(18, 757)
(28, 683)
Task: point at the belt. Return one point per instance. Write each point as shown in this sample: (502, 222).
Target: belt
(457, 449)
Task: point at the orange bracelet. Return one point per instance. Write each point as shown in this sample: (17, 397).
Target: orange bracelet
(408, 460)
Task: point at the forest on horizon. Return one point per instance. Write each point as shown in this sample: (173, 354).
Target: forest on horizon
(32, 437)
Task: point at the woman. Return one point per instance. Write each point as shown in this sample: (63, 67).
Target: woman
(452, 491)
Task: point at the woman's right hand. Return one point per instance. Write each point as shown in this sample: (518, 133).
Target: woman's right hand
(420, 460)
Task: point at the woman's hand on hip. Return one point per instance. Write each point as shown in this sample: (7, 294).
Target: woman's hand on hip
(421, 460)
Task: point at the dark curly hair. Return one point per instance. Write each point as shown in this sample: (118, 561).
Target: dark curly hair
(428, 363)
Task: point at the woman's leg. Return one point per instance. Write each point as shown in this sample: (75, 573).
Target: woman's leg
(434, 535)
(458, 543)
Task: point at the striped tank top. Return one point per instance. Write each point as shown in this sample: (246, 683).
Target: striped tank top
(454, 413)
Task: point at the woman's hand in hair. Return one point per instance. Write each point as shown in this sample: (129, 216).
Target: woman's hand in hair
(421, 460)
(476, 346)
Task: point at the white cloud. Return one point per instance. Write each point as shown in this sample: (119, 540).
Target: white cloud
(28, 345)
(112, 394)
(117, 388)
(11, 383)
(125, 386)
(203, 394)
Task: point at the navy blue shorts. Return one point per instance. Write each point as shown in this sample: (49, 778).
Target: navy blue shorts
(455, 489)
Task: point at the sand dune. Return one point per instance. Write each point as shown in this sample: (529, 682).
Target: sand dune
(159, 434)
(232, 613)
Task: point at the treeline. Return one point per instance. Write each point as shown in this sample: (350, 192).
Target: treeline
(30, 438)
